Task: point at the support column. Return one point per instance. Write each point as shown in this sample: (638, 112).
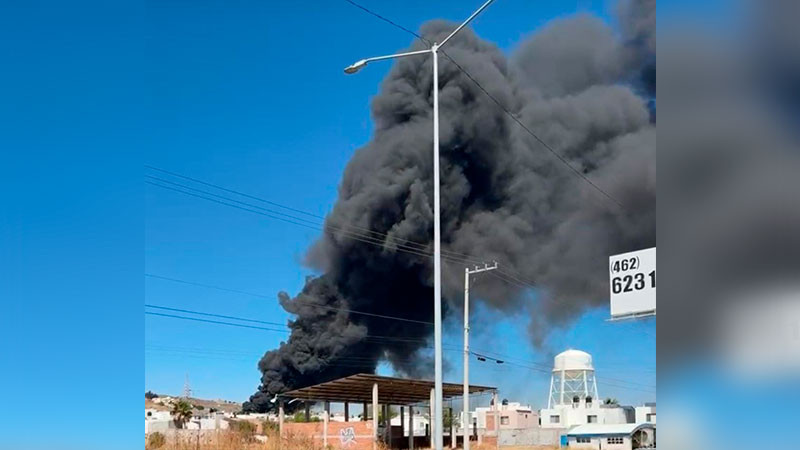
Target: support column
(347, 411)
(364, 413)
(496, 420)
(410, 427)
(480, 431)
(433, 416)
(452, 429)
(374, 416)
(402, 421)
(387, 420)
(280, 418)
(308, 411)
(325, 417)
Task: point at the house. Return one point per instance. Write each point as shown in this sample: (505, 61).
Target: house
(419, 425)
(628, 436)
(512, 415)
(584, 412)
(646, 413)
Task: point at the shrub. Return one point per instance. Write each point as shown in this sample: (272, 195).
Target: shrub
(268, 427)
(245, 428)
(156, 440)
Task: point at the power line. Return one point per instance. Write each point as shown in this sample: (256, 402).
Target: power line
(409, 246)
(377, 339)
(422, 246)
(165, 308)
(373, 339)
(196, 319)
(348, 234)
(331, 308)
(497, 102)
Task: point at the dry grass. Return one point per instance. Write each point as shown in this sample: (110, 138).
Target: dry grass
(232, 440)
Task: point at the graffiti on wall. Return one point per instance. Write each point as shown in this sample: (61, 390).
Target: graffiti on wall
(347, 436)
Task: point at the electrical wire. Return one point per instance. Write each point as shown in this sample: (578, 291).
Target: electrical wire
(299, 300)
(410, 247)
(498, 103)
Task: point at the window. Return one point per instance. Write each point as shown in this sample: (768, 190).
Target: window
(651, 417)
(583, 440)
(615, 440)
(555, 419)
(504, 420)
(591, 419)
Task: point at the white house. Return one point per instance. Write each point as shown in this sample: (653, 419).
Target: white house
(646, 413)
(512, 415)
(628, 436)
(562, 416)
(420, 423)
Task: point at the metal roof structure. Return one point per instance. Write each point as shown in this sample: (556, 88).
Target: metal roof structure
(395, 391)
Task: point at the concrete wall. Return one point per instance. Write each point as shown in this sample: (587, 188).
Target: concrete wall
(529, 437)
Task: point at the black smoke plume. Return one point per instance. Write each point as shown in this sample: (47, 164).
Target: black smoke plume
(576, 83)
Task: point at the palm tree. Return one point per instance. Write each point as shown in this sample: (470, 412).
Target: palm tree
(181, 412)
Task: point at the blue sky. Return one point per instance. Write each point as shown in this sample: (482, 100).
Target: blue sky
(246, 94)
(252, 97)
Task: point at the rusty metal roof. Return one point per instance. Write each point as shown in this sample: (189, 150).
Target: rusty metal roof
(395, 391)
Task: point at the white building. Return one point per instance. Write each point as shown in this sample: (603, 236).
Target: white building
(419, 425)
(156, 414)
(512, 415)
(574, 399)
(646, 413)
(612, 437)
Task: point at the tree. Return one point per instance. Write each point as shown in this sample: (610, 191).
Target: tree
(610, 401)
(450, 419)
(150, 395)
(392, 414)
(181, 412)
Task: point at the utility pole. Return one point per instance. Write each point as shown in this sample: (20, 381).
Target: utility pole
(437, 438)
(467, 273)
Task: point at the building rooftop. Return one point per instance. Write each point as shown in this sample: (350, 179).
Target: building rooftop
(602, 429)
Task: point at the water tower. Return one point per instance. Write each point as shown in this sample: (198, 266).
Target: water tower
(573, 381)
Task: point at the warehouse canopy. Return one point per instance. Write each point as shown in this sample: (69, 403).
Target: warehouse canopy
(395, 391)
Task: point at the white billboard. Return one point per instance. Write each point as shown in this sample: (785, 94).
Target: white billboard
(633, 283)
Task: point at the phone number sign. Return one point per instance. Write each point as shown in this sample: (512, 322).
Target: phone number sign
(633, 283)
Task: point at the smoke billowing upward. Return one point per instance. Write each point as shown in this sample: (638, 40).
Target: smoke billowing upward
(583, 88)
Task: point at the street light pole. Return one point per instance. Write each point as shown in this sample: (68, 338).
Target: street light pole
(467, 273)
(437, 257)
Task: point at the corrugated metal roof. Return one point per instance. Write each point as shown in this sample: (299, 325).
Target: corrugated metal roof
(601, 429)
(397, 391)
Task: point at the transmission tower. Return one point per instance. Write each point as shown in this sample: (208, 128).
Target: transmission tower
(187, 390)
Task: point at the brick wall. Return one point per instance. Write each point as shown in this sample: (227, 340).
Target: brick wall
(341, 435)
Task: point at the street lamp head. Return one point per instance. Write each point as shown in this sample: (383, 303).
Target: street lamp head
(355, 67)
